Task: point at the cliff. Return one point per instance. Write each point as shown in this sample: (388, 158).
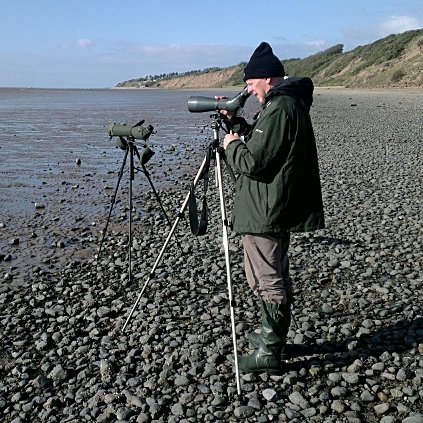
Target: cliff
(393, 61)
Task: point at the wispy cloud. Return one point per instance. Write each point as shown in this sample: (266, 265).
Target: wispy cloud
(176, 57)
(80, 43)
(317, 44)
(398, 24)
(288, 49)
(84, 42)
(354, 37)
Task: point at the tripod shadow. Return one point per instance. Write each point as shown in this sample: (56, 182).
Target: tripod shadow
(398, 337)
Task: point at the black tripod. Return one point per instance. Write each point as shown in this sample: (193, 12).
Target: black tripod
(131, 149)
(219, 156)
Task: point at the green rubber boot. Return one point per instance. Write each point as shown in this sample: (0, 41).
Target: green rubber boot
(267, 356)
(255, 337)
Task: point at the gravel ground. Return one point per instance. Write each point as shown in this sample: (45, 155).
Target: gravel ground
(357, 345)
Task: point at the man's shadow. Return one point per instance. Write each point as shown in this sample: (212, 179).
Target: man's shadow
(399, 337)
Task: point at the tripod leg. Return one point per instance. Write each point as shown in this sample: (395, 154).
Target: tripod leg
(175, 224)
(131, 178)
(113, 202)
(147, 174)
(225, 225)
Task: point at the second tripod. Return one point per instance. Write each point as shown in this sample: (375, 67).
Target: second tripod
(131, 150)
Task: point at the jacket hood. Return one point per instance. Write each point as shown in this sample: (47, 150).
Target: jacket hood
(300, 88)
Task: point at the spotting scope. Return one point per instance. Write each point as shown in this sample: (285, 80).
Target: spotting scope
(137, 131)
(199, 104)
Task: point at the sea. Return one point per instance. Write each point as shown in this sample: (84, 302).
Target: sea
(59, 168)
(48, 130)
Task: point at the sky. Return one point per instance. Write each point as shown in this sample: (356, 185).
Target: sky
(99, 43)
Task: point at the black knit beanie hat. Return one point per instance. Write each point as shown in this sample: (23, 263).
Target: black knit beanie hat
(263, 64)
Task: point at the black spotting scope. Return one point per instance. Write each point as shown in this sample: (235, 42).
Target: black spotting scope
(199, 104)
(137, 131)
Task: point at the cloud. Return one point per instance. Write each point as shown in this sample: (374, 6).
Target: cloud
(84, 42)
(81, 43)
(288, 50)
(395, 24)
(175, 57)
(398, 24)
(317, 44)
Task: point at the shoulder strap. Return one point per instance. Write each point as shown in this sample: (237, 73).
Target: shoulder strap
(199, 227)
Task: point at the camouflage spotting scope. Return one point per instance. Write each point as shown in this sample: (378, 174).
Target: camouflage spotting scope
(137, 131)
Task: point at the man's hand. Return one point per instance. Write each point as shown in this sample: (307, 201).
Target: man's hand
(225, 114)
(229, 138)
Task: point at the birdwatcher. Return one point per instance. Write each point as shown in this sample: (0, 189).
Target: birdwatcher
(277, 192)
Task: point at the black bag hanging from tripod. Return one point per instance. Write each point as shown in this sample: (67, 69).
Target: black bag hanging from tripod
(199, 227)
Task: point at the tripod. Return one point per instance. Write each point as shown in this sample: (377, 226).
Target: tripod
(218, 152)
(130, 150)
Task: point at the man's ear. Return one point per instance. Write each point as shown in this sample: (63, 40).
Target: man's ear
(272, 81)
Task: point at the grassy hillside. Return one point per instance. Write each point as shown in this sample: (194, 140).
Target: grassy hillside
(393, 61)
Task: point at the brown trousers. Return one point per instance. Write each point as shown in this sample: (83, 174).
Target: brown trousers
(267, 266)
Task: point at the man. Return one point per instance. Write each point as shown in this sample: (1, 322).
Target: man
(277, 191)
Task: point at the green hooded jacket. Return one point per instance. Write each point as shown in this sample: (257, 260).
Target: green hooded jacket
(278, 185)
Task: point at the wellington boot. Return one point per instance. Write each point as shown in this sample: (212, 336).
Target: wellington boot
(287, 351)
(255, 337)
(267, 356)
(260, 361)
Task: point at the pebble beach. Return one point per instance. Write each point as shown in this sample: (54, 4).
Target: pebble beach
(356, 343)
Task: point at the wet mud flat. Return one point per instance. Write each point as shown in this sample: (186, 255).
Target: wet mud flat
(59, 169)
(357, 342)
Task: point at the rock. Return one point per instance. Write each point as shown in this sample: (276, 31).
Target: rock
(123, 413)
(243, 412)
(178, 409)
(413, 418)
(367, 396)
(351, 378)
(181, 381)
(338, 406)
(58, 373)
(297, 399)
(269, 394)
(381, 408)
(404, 374)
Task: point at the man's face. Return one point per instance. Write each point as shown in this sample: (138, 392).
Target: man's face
(259, 88)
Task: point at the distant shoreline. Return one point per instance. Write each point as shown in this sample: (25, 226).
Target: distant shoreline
(334, 88)
(316, 88)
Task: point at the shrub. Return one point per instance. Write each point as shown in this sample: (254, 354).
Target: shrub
(397, 75)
